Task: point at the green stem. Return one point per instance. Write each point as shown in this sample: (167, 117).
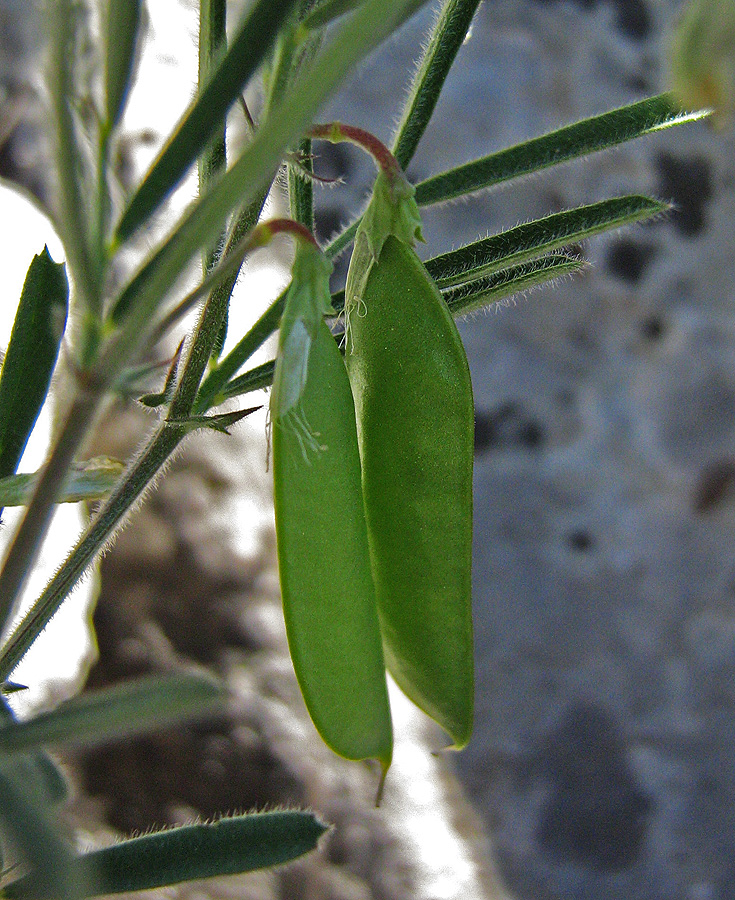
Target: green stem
(72, 221)
(213, 160)
(300, 188)
(338, 132)
(214, 315)
(98, 533)
(32, 529)
(447, 37)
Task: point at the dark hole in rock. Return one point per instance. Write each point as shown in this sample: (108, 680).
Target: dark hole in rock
(507, 426)
(596, 813)
(328, 222)
(640, 84)
(715, 485)
(581, 541)
(632, 15)
(653, 328)
(332, 161)
(627, 259)
(633, 19)
(688, 183)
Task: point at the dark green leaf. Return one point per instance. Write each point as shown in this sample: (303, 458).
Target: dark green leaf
(570, 142)
(123, 21)
(256, 379)
(225, 847)
(222, 422)
(31, 355)
(536, 238)
(124, 709)
(498, 287)
(248, 48)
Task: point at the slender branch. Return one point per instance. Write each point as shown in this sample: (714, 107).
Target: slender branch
(447, 37)
(139, 476)
(63, 24)
(337, 132)
(32, 529)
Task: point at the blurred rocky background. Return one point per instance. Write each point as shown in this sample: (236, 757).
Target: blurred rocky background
(603, 761)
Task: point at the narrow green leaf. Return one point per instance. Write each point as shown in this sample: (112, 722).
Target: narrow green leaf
(533, 239)
(159, 398)
(572, 141)
(248, 48)
(26, 819)
(31, 355)
(327, 11)
(124, 709)
(226, 847)
(121, 38)
(222, 422)
(498, 287)
(446, 38)
(255, 380)
(90, 480)
(37, 769)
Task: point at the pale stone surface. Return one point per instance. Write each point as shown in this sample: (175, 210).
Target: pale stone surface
(602, 758)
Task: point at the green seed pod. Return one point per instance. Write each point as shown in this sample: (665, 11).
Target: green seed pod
(702, 58)
(413, 399)
(324, 559)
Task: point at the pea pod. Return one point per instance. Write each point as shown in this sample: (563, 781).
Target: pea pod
(324, 559)
(413, 399)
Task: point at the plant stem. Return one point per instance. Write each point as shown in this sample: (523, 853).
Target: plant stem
(72, 221)
(212, 43)
(139, 476)
(32, 529)
(255, 168)
(212, 319)
(447, 37)
(337, 132)
(300, 188)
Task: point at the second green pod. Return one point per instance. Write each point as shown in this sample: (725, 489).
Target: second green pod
(415, 420)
